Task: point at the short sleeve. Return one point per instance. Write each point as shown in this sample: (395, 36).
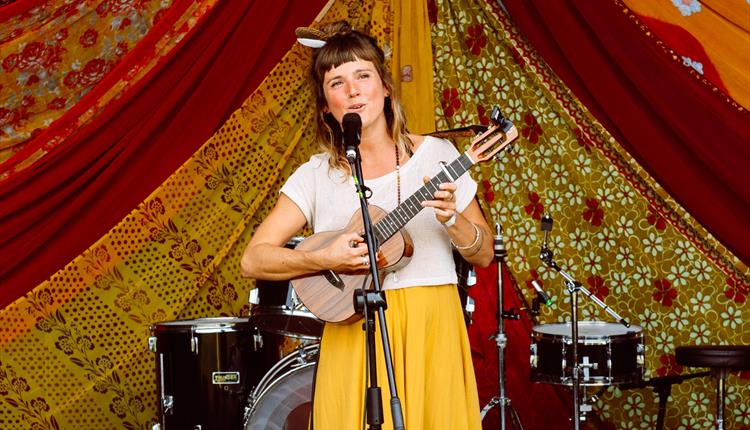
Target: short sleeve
(300, 188)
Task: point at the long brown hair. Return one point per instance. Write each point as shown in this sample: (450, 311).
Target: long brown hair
(345, 44)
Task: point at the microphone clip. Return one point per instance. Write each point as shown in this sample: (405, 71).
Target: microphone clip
(498, 245)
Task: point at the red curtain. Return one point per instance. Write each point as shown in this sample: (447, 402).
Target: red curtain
(54, 210)
(688, 135)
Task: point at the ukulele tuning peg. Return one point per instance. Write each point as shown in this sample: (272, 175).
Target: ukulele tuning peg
(496, 115)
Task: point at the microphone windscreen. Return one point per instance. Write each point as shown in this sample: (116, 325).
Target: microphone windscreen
(352, 126)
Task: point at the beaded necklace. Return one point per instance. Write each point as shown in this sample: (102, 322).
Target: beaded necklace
(398, 177)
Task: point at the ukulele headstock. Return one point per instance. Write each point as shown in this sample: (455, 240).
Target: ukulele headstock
(500, 134)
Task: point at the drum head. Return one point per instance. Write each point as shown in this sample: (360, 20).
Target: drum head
(205, 325)
(286, 403)
(293, 323)
(587, 329)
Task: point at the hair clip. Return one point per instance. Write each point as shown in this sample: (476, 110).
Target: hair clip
(310, 37)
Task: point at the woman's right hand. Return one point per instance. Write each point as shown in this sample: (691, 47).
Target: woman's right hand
(347, 253)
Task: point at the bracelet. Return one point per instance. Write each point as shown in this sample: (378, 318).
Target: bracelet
(450, 221)
(477, 233)
(479, 248)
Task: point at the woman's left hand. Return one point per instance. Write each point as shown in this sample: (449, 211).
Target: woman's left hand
(444, 203)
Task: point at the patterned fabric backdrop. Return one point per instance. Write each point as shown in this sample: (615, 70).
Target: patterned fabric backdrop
(57, 52)
(615, 230)
(74, 351)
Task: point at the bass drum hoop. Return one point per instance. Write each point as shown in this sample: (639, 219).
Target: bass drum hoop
(280, 373)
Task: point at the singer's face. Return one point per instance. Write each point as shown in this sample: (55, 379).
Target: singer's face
(355, 87)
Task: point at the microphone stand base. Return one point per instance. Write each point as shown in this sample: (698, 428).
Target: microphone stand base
(503, 403)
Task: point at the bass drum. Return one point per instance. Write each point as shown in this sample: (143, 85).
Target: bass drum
(283, 398)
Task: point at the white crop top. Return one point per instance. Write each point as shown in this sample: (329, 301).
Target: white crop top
(328, 201)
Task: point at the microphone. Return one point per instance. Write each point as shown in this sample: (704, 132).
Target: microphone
(352, 127)
(544, 252)
(540, 292)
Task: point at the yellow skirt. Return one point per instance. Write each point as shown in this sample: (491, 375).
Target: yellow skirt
(431, 359)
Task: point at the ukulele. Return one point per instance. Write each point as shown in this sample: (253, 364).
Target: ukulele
(329, 295)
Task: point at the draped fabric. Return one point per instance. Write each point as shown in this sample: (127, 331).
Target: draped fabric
(142, 130)
(412, 64)
(616, 229)
(710, 36)
(688, 134)
(53, 53)
(74, 348)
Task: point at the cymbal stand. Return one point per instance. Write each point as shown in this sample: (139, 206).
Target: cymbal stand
(502, 401)
(546, 255)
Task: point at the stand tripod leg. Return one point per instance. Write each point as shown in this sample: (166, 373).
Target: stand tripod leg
(515, 420)
(507, 411)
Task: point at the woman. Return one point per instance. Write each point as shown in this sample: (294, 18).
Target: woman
(431, 354)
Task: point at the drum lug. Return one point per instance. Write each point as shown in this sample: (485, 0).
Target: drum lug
(156, 426)
(194, 345)
(533, 359)
(253, 297)
(193, 341)
(469, 307)
(257, 340)
(152, 343)
(167, 402)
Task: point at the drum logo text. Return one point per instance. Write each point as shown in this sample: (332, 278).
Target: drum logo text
(219, 378)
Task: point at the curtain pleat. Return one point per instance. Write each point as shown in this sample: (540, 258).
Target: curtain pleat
(55, 210)
(687, 134)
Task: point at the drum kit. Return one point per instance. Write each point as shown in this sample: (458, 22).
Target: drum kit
(246, 373)
(230, 372)
(603, 354)
(257, 372)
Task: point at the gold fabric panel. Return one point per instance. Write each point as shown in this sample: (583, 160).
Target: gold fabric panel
(412, 64)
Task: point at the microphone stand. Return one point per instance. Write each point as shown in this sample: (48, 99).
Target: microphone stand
(546, 255)
(369, 302)
(502, 401)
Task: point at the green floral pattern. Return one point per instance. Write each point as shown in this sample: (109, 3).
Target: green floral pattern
(615, 229)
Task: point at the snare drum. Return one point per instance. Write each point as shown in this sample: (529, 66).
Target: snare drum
(276, 308)
(283, 398)
(608, 353)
